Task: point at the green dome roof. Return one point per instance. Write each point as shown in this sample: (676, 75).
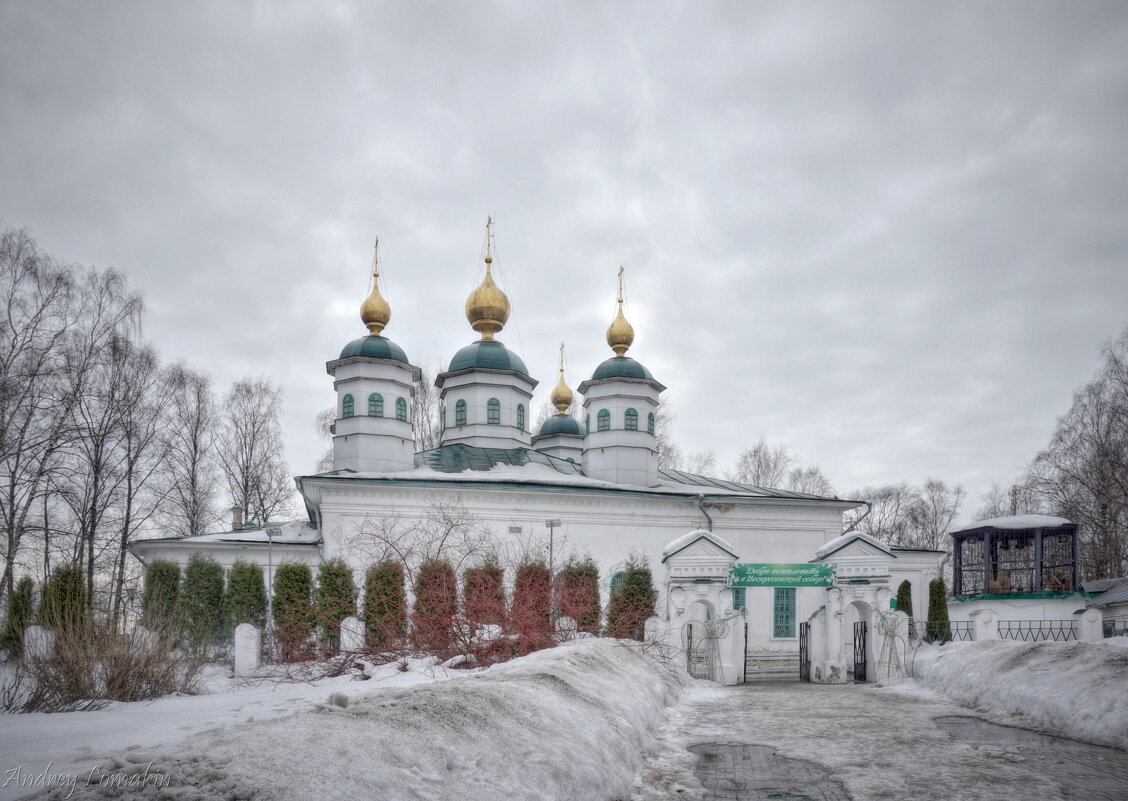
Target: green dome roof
(560, 424)
(374, 348)
(490, 354)
(621, 367)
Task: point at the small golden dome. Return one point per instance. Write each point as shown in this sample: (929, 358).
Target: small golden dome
(487, 308)
(620, 334)
(375, 311)
(561, 396)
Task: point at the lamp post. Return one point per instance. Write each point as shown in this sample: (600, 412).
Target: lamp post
(551, 526)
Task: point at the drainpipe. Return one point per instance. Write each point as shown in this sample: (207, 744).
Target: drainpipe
(701, 506)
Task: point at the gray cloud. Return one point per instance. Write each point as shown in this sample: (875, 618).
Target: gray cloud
(889, 235)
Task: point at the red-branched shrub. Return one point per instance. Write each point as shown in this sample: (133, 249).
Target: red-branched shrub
(578, 594)
(530, 614)
(483, 594)
(436, 603)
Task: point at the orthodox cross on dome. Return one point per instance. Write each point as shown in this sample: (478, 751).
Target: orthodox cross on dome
(375, 311)
(620, 334)
(561, 396)
(487, 307)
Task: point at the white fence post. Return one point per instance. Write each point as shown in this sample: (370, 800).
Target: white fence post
(984, 625)
(1090, 627)
(248, 649)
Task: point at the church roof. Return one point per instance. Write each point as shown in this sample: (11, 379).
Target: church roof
(1019, 522)
(374, 347)
(517, 467)
(621, 367)
(488, 354)
(560, 424)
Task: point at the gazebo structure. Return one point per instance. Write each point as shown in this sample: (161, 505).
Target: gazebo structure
(1016, 556)
(1025, 570)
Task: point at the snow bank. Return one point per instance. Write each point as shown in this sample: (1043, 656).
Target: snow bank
(1020, 521)
(569, 722)
(1074, 689)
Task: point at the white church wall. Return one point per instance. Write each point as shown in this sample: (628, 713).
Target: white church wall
(477, 388)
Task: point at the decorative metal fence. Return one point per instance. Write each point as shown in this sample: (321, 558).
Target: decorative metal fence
(1037, 630)
(1115, 627)
(962, 631)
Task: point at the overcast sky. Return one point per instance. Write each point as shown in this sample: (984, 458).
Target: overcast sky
(891, 236)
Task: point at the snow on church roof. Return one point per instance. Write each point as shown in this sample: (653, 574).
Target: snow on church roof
(693, 536)
(468, 463)
(849, 536)
(1020, 521)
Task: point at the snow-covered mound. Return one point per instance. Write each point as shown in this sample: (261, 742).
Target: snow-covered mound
(572, 722)
(1074, 689)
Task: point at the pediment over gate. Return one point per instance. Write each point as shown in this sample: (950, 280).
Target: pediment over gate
(699, 546)
(853, 544)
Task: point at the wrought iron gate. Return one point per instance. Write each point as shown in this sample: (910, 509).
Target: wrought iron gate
(860, 650)
(804, 652)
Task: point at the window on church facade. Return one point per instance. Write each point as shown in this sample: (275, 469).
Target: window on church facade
(783, 612)
(617, 580)
(630, 420)
(739, 598)
(493, 411)
(521, 416)
(401, 409)
(460, 413)
(375, 405)
(603, 420)
(347, 405)
(650, 422)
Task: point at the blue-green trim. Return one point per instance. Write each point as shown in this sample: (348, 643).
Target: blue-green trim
(1010, 596)
(621, 367)
(560, 424)
(488, 354)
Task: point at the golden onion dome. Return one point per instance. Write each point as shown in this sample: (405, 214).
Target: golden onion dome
(620, 334)
(375, 311)
(561, 396)
(487, 308)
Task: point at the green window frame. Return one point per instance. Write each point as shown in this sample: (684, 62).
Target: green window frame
(603, 420)
(347, 406)
(460, 413)
(375, 405)
(650, 423)
(401, 409)
(783, 612)
(739, 598)
(493, 412)
(617, 579)
(521, 416)
(630, 420)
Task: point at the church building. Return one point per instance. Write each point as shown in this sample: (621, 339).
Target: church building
(592, 487)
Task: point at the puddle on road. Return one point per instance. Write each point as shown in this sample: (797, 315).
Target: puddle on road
(1083, 771)
(741, 772)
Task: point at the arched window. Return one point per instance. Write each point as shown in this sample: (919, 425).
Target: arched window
(347, 406)
(617, 580)
(521, 416)
(401, 409)
(460, 413)
(375, 405)
(630, 420)
(493, 411)
(603, 420)
(650, 422)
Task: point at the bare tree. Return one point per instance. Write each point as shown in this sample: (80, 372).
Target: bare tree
(426, 414)
(888, 518)
(37, 295)
(189, 439)
(323, 425)
(810, 480)
(762, 465)
(1000, 501)
(933, 513)
(701, 463)
(1083, 473)
(669, 452)
(249, 447)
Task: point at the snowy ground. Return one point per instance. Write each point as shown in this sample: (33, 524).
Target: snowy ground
(1073, 689)
(71, 743)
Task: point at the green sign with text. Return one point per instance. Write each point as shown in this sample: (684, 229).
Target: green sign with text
(753, 575)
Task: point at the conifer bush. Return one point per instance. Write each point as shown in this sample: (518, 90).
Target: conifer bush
(335, 599)
(579, 593)
(200, 602)
(293, 609)
(246, 594)
(530, 615)
(63, 605)
(939, 629)
(385, 605)
(483, 594)
(905, 597)
(633, 602)
(162, 585)
(436, 603)
(21, 607)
